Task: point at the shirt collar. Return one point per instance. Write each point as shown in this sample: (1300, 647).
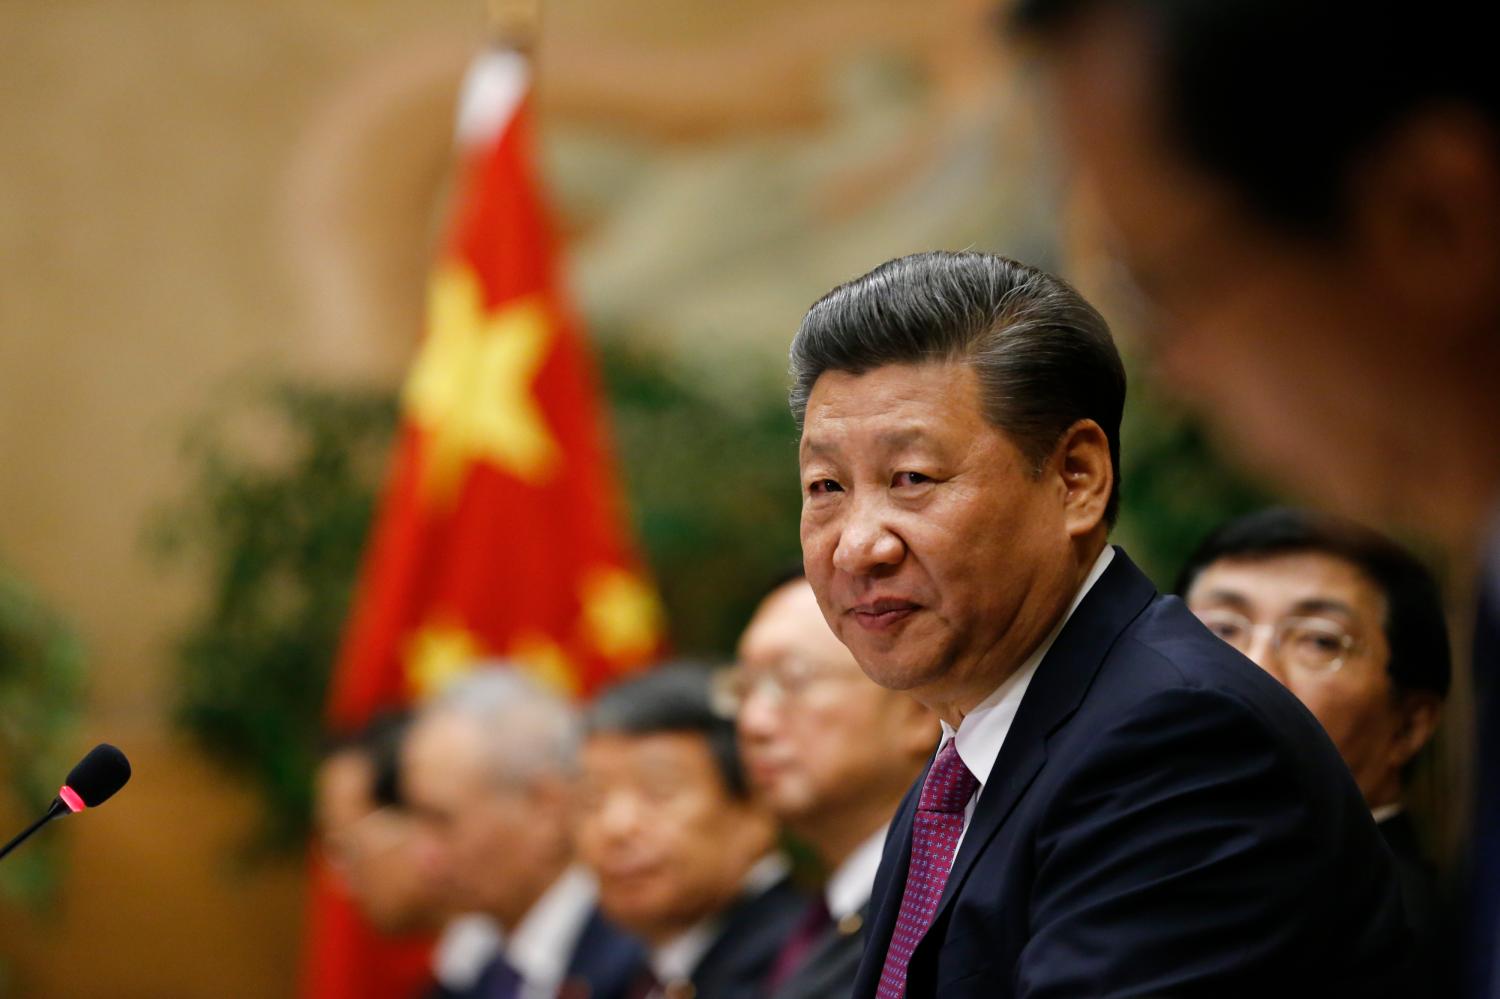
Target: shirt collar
(543, 941)
(851, 883)
(982, 732)
(463, 949)
(677, 959)
(1385, 812)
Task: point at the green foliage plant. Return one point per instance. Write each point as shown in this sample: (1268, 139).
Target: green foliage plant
(41, 678)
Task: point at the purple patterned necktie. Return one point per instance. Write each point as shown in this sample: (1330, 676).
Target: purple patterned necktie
(934, 839)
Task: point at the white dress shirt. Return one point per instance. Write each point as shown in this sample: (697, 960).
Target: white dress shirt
(850, 885)
(463, 949)
(677, 959)
(543, 941)
(982, 732)
(539, 949)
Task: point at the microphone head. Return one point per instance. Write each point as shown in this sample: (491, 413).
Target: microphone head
(98, 775)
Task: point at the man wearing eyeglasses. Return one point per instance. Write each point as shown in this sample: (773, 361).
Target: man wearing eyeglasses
(805, 714)
(1353, 625)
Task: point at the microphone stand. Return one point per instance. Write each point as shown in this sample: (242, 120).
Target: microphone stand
(58, 808)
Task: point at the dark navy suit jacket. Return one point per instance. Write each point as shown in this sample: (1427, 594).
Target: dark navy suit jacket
(602, 965)
(1164, 819)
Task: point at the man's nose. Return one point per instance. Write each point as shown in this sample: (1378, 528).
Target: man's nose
(866, 542)
(619, 815)
(1262, 652)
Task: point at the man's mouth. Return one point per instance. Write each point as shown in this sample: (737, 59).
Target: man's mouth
(883, 614)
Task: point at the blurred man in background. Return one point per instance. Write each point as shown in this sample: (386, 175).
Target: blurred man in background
(805, 712)
(1311, 194)
(489, 772)
(368, 839)
(685, 858)
(1353, 625)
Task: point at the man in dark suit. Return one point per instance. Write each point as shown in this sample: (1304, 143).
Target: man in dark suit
(489, 772)
(686, 859)
(1353, 624)
(805, 712)
(1121, 804)
(1310, 193)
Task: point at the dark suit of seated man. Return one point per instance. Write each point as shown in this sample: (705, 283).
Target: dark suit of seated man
(686, 860)
(805, 713)
(490, 773)
(1353, 624)
(1121, 804)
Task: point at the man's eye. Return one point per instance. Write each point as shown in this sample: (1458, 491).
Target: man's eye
(910, 479)
(820, 487)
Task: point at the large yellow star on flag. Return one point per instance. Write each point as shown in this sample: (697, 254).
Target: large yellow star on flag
(437, 654)
(471, 386)
(621, 614)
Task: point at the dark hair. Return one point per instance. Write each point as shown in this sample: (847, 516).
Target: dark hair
(379, 741)
(1044, 356)
(1415, 627)
(677, 697)
(1282, 98)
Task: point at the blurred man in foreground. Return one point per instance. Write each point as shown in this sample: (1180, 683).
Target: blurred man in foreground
(1121, 804)
(1311, 194)
(806, 714)
(685, 859)
(490, 772)
(1353, 625)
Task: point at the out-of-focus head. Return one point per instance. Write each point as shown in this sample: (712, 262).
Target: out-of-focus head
(665, 819)
(960, 418)
(829, 751)
(489, 772)
(1310, 192)
(1351, 622)
(367, 838)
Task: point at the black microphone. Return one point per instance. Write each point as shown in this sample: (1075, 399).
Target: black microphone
(92, 782)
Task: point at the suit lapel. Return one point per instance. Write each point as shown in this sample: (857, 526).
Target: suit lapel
(1060, 683)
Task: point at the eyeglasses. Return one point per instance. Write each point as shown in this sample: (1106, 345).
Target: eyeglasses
(788, 681)
(1315, 644)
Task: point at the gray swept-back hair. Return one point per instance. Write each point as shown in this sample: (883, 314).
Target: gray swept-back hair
(529, 731)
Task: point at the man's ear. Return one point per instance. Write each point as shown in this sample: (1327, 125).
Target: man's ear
(1082, 464)
(1425, 209)
(1420, 711)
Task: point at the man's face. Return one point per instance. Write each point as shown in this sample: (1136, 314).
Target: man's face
(372, 849)
(668, 841)
(1296, 349)
(480, 837)
(936, 554)
(1355, 702)
(806, 716)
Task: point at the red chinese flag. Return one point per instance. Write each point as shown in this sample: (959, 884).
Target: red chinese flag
(501, 534)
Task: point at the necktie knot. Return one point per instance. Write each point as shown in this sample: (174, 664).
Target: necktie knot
(949, 784)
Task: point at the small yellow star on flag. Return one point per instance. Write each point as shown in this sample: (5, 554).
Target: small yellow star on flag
(621, 614)
(437, 654)
(546, 661)
(470, 387)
